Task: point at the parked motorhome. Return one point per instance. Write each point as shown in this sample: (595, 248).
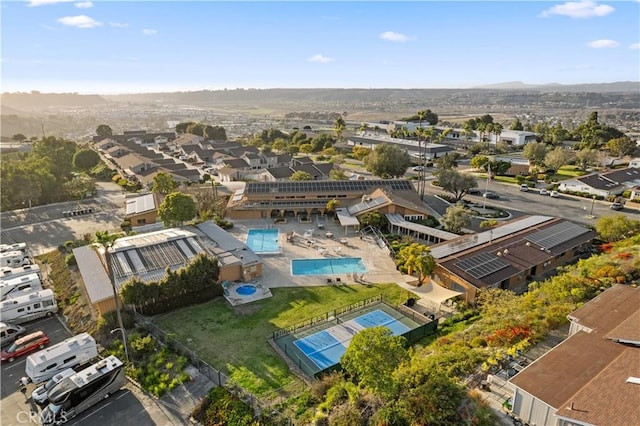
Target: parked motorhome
(21, 247)
(13, 259)
(19, 286)
(77, 393)
(39, 394)
(28, 307)
(7, 273)
(74, 351)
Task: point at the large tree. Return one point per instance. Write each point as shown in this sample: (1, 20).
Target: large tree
(478, 162)
(85, 159)
(104, 130)
(417, 258)
(516, 125)
(60, 152)
(387, 160)
(535, 152)
(164, 183)
(586, 157)
(80, 186)
(556, 159)
(456, 218)
(176, 209)
(621, 146)
(455, 182)
(371, 358)
(18, 137)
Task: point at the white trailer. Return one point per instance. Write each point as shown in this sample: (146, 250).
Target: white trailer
(28, 307)
(75, 351)
(83, 390)
(13, 259)
(22, 247)
(7, 273)
(19, 286)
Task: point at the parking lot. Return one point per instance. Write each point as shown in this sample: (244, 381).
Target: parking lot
(128, 406)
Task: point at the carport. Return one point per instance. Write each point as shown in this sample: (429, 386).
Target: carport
(432, 295)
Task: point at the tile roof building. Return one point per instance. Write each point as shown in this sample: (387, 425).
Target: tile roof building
(593, 377)
(604, 184)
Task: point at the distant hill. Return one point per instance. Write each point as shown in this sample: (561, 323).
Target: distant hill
(38, 101)
(619, 86)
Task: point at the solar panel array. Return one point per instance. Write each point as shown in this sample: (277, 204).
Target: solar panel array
(316, 186)
(366, 205)
(557, 234)
(482, 264)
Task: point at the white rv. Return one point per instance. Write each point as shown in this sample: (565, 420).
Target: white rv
(19, 286)
(22, 247)
(28, 307)
(13, 259)
(74, 351)
(7, 273)
(75, 394)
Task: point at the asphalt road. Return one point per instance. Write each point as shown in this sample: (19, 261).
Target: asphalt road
(128, 406)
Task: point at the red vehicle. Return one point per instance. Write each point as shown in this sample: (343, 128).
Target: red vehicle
(24, 345)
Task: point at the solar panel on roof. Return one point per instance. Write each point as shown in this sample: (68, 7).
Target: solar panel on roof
(557, 234)
(482, 264)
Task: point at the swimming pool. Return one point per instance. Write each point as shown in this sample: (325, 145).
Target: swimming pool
(263, 240)
(342, 265)
(246, 290)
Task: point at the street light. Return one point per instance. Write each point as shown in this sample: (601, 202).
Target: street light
(124, 341)
(593, 201)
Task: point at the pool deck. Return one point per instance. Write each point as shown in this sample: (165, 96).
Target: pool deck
(277, 267)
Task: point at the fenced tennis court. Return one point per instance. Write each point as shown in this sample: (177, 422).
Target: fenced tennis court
(317, 347)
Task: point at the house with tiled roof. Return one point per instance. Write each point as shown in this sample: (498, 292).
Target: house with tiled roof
(604, 184)
(593, 376)
(508, 256)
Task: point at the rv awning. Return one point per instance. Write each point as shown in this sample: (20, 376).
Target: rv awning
(346, 219)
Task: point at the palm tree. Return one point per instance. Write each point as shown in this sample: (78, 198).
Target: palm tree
(338, 126)
(497, 130)
(332, 205)
(105, 240)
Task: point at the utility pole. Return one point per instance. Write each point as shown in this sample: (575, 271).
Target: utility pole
(42, 126)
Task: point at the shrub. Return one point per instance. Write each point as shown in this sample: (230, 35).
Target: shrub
(70, 260)
(478, 342)
(143, 346)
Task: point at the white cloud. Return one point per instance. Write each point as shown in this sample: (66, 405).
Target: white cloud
(579, 9)
(635, 46)
(149, 32)
(33, 3)
(392, 36)
(320, 58)
(83, 4)
(118, 24)
(603, 44)
(80, 21)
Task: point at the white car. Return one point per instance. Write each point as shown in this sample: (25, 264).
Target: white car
(554, 194)
(417, 168)
(544, 192)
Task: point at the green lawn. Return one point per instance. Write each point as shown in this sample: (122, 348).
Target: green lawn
(568, 172)
(234, 340)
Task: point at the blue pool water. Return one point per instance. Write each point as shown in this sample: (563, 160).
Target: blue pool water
(246, 290)
(342, 265)
(263, 240)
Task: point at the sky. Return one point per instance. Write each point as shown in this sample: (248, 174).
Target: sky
(148, 46)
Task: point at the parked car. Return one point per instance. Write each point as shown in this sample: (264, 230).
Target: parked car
(554, 194)
(491, 195)
(24, 345)
(417, 168)
(544, 192)
(524, 187)
(10, 332)
(474, 191)
(616, 206)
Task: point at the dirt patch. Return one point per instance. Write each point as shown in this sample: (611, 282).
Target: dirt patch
(244, 310)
